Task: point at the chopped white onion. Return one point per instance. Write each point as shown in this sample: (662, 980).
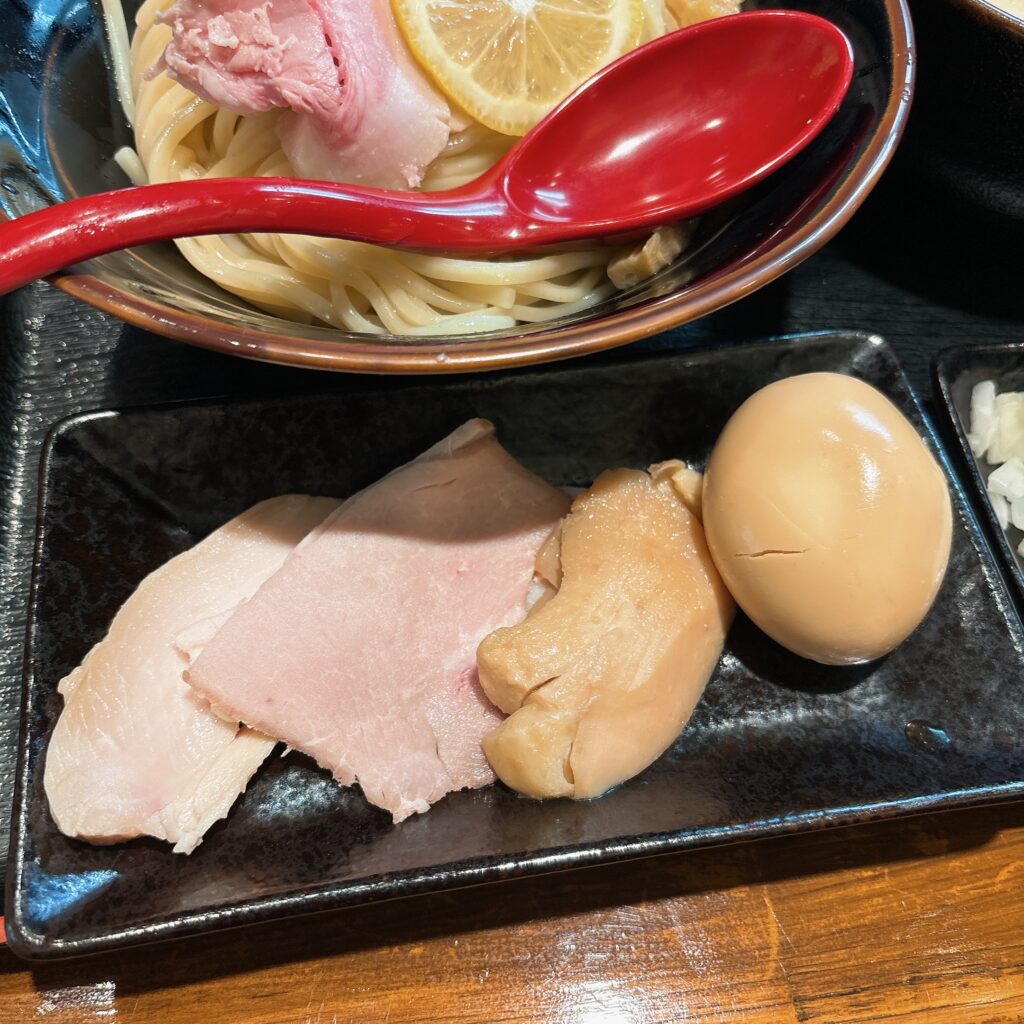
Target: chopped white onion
(1001, 507)
(1008, 480)
(1017, 513)
(983, 417)
(1008, 440)
(997, 435)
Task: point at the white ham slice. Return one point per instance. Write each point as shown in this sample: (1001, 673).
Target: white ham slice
(361, 650)
(136, 751)
(361, 109)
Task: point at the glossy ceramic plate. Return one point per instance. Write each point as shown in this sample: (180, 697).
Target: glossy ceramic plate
(777, 745)
(956, 372)
(60, 125)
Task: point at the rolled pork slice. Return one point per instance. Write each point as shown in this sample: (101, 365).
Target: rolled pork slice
(361, 650)
(136, 751)
(361, 108)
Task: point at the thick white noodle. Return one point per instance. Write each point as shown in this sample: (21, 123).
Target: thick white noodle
(128, 160)
(117, 36)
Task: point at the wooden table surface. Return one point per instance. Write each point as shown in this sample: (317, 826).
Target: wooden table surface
(920, 919)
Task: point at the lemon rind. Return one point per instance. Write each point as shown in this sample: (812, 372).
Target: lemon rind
(496, 112)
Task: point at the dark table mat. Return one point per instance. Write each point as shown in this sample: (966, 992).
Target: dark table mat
(894, 272)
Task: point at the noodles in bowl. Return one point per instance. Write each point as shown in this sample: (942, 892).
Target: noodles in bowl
(351, 285)
(63, 126)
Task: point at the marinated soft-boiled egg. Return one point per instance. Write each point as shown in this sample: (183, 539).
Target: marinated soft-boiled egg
(827, 517)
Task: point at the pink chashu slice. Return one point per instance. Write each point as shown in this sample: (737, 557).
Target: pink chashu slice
(360, 109)
(361, 650)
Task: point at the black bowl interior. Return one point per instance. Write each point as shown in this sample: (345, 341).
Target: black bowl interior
(60, 125)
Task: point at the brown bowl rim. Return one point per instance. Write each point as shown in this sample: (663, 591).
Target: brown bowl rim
(578, 339)
(990, 12)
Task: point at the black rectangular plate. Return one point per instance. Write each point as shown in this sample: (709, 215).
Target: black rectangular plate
(956, 373)
(777, 745)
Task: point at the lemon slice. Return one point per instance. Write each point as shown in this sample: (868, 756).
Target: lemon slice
(509, 62)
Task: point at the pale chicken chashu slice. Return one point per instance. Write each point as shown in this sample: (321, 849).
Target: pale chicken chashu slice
(135, 750)
(361, 650)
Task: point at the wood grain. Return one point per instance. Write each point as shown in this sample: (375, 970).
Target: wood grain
(919, 920)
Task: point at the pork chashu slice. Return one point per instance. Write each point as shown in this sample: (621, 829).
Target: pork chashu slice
(361, 650)
(135, 750)
(599, 680)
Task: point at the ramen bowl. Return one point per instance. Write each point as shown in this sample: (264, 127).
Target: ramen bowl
(61, 124)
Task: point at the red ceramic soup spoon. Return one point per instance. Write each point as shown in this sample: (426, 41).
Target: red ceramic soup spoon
(665, 132)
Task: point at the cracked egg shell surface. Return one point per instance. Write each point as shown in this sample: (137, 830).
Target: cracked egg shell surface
(827, 517)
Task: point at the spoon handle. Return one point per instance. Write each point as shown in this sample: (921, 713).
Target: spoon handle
(46, 240)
